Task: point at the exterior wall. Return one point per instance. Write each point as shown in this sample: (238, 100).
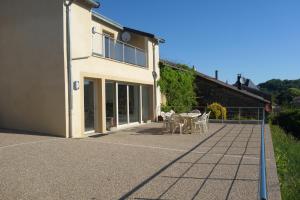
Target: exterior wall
(86, 65)
(32, 77)
(209, 92)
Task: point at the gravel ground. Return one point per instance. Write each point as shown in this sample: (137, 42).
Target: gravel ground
(137, 163)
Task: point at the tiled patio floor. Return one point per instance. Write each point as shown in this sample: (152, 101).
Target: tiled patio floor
(138, 163)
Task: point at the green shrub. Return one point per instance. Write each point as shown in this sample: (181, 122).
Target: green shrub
(217, 111)
(289, 120)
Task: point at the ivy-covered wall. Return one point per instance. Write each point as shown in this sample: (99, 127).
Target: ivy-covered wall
(178, 86)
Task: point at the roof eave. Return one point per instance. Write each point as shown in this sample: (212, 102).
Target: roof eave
(93, 3)
(107, 20)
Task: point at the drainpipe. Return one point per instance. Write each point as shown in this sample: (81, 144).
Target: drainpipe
(68, 3)
(154, 74)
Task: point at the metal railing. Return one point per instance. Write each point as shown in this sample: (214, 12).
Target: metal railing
(239, 114)
(263, 194)
(108, 47)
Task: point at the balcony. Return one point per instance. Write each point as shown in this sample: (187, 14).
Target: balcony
(110, 48)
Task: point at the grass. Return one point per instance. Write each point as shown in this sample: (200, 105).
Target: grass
(287, 154)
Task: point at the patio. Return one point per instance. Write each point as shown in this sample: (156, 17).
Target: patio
(137, 163)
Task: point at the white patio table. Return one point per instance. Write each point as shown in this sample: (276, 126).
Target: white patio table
(189, 117)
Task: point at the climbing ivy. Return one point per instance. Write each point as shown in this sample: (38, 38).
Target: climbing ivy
(178, 86)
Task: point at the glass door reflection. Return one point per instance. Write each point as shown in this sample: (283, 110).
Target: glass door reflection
(122, 104)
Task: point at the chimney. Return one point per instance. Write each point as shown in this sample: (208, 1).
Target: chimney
(238, 81)
(216, 74)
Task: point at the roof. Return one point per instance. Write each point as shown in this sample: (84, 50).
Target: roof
(93, 3)
(107, 20)
(122, 28)
(209, 78)
(246, 82)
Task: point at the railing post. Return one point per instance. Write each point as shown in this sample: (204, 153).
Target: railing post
(135, 57)
(123, 46)
(109, 47)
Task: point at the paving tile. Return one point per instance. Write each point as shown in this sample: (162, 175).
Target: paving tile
(210, 158)
(227, 139)
(202, 149)
(257, 140)
(230, 159)
(153, 189)
(190, 158)
(253, 144)
(248, 172)
(241, 139)
(224, 171)
(223, 144)
(176, 170)
(246, 190)
(235, 151)
(183, 189)
(250, 160)
(239, 144)
(252, 150)
(199, 171)
(208, 144)
(214, 190)
(218, 150)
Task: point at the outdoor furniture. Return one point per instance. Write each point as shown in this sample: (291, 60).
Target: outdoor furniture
(166, 119)
(190, 117)
(196, 111)
(207, 119)
(176, 121)
(201, 123)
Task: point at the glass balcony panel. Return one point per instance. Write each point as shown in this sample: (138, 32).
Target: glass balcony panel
(106, 47)
(140, 58)
(111, 48)
(129, 54)
(119, 51)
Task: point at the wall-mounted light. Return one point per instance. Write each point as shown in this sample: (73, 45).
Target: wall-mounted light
(76, 85)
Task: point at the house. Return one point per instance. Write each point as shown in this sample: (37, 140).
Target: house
(68, 71)
(211, 89)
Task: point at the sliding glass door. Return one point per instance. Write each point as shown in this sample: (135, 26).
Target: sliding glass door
(89, 105)
(145, 103)
(134, 103)
(110, 102)
(126, 103)
(122, 104)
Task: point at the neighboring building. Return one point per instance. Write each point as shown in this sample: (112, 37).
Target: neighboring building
(108, 71)
(211, 90)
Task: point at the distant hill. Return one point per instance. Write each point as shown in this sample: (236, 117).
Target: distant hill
(282, 91)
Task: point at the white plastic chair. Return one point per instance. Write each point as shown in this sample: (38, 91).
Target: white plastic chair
(200, 124)
(196, 111)
(176, 122)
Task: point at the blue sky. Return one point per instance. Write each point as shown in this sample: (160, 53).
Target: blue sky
(258, 38)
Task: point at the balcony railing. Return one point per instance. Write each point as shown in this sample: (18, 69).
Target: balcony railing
(104, 45)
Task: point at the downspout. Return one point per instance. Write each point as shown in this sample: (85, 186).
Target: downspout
(68, 3)
(154, 74)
